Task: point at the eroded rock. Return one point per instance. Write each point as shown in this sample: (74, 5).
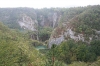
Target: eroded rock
(26, 22)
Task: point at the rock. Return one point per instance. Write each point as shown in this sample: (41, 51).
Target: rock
(56, 41)
(27, 23)
(97, 32)
(69, 34)
(54, 19)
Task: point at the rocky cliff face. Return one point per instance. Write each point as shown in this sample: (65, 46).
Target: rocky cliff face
(79, 24)
(68, 33)
(63, 34)
(26, 22)
(49, 20)
(27, 18)
(15, 17)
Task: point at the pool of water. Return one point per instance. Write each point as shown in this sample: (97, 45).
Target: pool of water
(40, 47)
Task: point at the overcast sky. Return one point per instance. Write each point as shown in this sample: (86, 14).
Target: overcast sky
(47, 3)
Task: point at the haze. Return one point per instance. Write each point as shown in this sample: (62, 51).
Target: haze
(46, 3)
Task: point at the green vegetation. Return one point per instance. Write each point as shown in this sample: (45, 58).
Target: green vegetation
(95, 47)
(18, 48)
(44, 33)
(15, 50)
(70, 51)
(88, 20)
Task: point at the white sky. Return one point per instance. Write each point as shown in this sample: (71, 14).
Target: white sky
(47, 3)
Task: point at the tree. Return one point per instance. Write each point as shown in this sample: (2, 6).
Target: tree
(51, 55)
(84, 54)
(95, 47)
(44, 33)
(66, 51)
(7, 53)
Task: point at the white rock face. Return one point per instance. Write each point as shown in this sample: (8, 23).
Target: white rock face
(27, 23)
(56, 41)
(42, 20)
(69, 33)
(54, 19)
(97, 32)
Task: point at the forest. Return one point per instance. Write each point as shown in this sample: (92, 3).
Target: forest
(21, 46)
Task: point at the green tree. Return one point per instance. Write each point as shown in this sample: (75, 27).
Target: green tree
(84, 54)
(44, 33)
(66, 51)
(95, 47)
(7, 53)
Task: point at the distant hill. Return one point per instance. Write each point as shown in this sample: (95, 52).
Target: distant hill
(78, 23)
(18, 18)
(84, 26)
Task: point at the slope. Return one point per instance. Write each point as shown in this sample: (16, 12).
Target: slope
(81, 27)
(15, 50)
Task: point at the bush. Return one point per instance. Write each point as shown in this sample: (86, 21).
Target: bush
(36, 43)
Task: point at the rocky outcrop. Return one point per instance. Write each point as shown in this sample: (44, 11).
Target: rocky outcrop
(61, 34)
(49, 20)
(56, 41)
(55, 16)
(69, 34)
(26, 22)
(97, 32)
(27, 17)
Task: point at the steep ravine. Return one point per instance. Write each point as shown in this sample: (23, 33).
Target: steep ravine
(15, 17)
(67, 31)
(79, 23)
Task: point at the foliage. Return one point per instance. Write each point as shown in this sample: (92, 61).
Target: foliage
(78, 64)
(95, 47)
(52, 57)
(96, 63)
(88, 20)
(44, 33)
(70, 51)
(36, 43)
(83, 53)
(15, 49)
(89, 15)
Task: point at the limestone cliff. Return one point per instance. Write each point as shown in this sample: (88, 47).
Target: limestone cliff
(26, 22)
(27, 17)
(64, 33)
(79, 23)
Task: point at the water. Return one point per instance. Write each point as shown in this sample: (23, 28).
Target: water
(40, 47)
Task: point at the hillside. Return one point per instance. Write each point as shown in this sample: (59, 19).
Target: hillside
(37, 19)
(71, 36)
(16, 50)
(44, 17)
(25, 17)
(83, 27)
